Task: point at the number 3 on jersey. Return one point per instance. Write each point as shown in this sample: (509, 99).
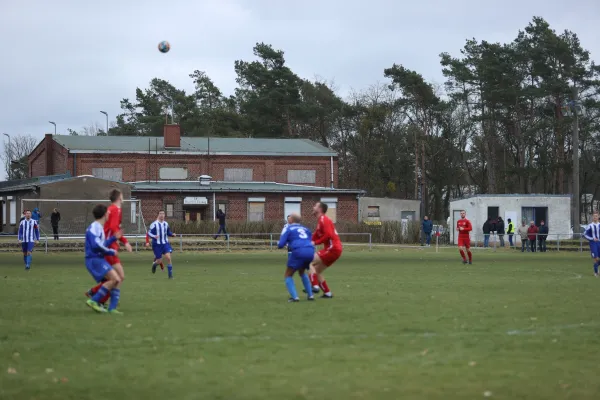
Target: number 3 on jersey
(302, 234)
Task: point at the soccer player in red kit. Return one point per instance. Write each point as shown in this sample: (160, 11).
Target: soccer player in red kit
(111, 228)
(326, 235)
(464, 228)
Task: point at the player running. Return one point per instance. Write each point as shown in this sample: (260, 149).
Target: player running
(111, 228)
(327, 235)
(29, 236)
(301, 251)
(160, 233)
(97, 247)
(162, 266)
(464, 228)
(592, 233)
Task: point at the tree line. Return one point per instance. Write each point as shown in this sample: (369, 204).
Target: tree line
(496, 125)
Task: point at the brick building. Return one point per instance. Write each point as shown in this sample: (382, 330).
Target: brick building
(251, 179)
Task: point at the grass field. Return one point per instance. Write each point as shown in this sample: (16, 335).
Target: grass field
(404, 325)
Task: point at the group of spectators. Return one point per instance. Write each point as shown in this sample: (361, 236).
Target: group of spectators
(533, 238)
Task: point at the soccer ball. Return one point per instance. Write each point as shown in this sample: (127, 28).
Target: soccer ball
(164, 46)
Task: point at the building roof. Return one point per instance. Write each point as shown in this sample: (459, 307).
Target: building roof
(513, 196)
(193, 145)
(242, 187)
(30, 183)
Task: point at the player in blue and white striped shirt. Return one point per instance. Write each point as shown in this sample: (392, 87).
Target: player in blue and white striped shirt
(592, 233)
(160, 232)
(29, 235)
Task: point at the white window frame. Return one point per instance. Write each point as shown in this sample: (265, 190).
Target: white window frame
(13, 211)
(95, 170)
(173, 173)
(312, 180)
(256, 200)
(172, 213)
(3, 212)
(238, 179)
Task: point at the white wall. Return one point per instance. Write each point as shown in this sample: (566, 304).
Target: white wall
(559, 212)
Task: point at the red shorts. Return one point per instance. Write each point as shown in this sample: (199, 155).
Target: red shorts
(329, 256)
(112, 260)
(464, 242)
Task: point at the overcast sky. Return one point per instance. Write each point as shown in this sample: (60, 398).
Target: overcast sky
(65, 60)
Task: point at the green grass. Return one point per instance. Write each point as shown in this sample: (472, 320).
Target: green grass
(404, 325)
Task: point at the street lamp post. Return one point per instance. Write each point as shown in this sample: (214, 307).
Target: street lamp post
(106, 114)
(9, 156)
(53, 123)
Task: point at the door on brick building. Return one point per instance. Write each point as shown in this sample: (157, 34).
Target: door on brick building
(195, 209)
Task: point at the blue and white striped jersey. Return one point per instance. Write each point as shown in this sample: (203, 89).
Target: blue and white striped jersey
(160, 232)
(593, 231)
(29, 231)
(96, 245)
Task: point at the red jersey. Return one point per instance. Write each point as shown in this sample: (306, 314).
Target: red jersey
(466, 225)
(326, 234)
(113, 223)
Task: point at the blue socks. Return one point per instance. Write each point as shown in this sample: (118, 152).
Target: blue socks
(115, 294)
(307, 285)
(27, 260)
(291, 287)
(170, 269)
(595, 268)
(100, 294)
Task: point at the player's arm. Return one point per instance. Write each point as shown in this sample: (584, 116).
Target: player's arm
(20, 233)
(36, 231)
(169, 231)
(327, 232)
(284, 239)
(147, 238)
(468, 227)
(588, 233)
(100, 246)
(152, 232)
(112, 226)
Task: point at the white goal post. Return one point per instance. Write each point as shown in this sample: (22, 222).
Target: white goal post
(76, 215)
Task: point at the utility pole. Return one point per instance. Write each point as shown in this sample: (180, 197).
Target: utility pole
(576, 196)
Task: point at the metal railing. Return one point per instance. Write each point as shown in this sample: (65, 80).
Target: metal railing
(265, 241)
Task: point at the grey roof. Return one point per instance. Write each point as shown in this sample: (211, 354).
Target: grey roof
(30, 183)
(193, 145)
(513, 195)
(245, 187)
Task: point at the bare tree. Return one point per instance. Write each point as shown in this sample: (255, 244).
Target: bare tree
(15, 156)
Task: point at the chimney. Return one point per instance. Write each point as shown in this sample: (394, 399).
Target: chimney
(49, 150)
(204, 180)
(172, 136)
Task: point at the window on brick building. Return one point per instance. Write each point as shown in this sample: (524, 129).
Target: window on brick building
(169, 209)
(111, 174)
(13, 212)
(222, 205)
(4, 212)
(173, 173)
(302, 176)
(331, 207)
(237, 174)
(256, 209)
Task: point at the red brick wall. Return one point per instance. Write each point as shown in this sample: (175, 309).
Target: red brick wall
(237, 205)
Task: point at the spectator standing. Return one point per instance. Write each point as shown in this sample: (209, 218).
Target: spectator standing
(222, 229)
(23, 216)
(500, 231)
(487, 228)
(35, 215)
(510, 231)
(532, 234)
(54, 220)
(543, 235)
(524, 237)
(427, 228)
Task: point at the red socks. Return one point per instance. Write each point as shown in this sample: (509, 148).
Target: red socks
(324, 287)
(470, 255)
(462, 254)
(314, 281)
(162, 266)
(97, 287)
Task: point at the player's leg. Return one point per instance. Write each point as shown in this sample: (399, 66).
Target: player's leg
(323, 259)
(157, 261)
(313, 274)
(290, 285)
(468, 248)
(102, 272)
(306, 283)
(167, 257)
(461, 249)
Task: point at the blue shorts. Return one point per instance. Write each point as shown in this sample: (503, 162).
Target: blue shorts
(301, 258)
(98, 268)
(27, 247)
(595, 249)
(160, 249)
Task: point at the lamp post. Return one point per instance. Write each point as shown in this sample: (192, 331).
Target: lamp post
(53, 123)
(106, 114)
(9, 156)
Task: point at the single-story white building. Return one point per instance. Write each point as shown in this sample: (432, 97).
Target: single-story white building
(554, 210)
(381, 209)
